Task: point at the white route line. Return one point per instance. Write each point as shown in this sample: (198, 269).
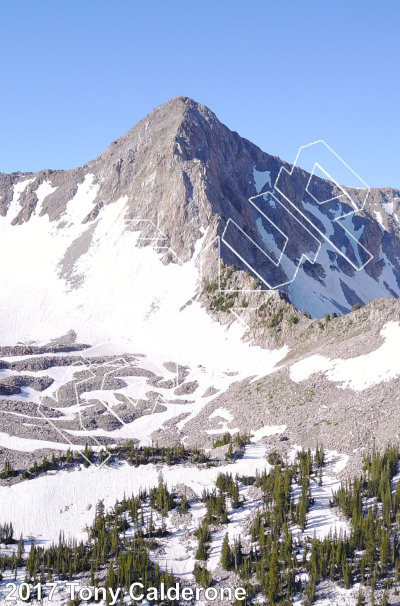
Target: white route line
(303, 256)
(345, 193)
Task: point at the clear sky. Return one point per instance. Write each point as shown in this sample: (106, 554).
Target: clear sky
(77, 74)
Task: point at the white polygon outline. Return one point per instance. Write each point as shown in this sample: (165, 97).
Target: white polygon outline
(78, 401)
(303, 256)
(159, 243)
(90, 366)
(217, 239)
(346, 194)
(181, 262)
(58, 429)
(150, 240)
(158, 248)
(111, 363)
(316, 164)
(125, 364)
(233, 309)
(133, 401)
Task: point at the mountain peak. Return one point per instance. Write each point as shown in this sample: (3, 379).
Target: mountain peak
(182, 103)
(180, 111)
(161, 126)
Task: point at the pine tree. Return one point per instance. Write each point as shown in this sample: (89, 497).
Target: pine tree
(201, 553)
(45, 464)
(20, 550)
(87, 453)
(111, 580)
(226, 554)
(8, 471)
(272, 580)
(262, 536)
(202, 575)
(235, 496)
(237, 554)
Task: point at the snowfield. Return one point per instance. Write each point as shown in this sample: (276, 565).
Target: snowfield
(382, 364)
(96, 281)
(65, 501)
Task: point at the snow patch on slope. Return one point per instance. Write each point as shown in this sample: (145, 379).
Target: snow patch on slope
(318, 298)
(266, 431)
(261, 178)
(388, 208)
(25, 445)
(222, 412)
(15, 207)
(378, 217)
(44, 190)
(362, 372)
(82, 203)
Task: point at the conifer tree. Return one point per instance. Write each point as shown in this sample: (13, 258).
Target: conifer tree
(87, 454)
(184, 505)
(226, 554)
(20, 550)
(360, 598)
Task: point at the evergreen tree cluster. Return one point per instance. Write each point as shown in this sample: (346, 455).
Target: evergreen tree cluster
(369, 555)
(229, 487)
(203, 535)
(184, 504)
(231, 557)
(171, 455)
(274, 563)
(6, 533)
(217, 510)
(161, 499)
(131, 453)
(8, 471)
(202, 576)
(239, 440)
(126, 561)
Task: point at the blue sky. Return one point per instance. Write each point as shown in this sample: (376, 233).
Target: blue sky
(77, 74)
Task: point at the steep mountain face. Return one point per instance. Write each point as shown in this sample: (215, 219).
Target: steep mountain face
(178, 178)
